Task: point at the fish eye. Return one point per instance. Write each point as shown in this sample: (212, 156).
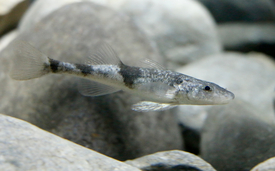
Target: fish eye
(179, 81)
(207, 88)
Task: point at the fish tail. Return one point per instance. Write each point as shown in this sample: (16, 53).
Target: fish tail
(29, 62)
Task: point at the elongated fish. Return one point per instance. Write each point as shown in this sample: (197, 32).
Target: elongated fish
(105, 73)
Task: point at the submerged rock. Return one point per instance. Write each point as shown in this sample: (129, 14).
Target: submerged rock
(236, 137)
(171, 160)
(241, 10)
(268, 165)
(183, 31)
(248, 37)
(105, 123)
(248, 76)
(26, 147)
(11, 13)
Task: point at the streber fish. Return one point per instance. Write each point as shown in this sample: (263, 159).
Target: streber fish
(104, 73)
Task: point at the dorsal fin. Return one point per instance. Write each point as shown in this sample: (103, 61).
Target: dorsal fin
(104, 55)
(149, 63)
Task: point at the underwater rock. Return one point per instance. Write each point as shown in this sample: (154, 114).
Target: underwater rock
(171, 160)
(236, 137)
(241, 10)
(249, 76)
(26, 147)
(11, 13)
(105, 123)
(183, 31)
(248, 37)
(268, 165)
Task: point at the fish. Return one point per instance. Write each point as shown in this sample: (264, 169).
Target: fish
(105, 73)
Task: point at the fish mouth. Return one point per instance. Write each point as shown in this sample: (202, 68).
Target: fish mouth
(226, 98)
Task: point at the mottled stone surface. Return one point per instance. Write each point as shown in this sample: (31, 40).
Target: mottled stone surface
(268, 165)
(105, 123)
(236, 137)
(26, 147)
(171, 161)
(183, 31)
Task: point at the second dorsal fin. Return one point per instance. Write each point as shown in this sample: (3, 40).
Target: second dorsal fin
(104, 55)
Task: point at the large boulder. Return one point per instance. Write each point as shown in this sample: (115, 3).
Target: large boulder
(171, 161)
(26, 147)
(183, 31)
(241, 10)
(268, 165)
(105, 123)
(236, 137)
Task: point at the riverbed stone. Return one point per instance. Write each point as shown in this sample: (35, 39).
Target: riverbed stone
(236, 137)
(174, 160)
(183, 31)
(268, 165)
(259, 37)
(241, 10)
(105, 123)
(27, 147)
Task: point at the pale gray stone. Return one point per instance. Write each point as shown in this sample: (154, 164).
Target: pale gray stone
(183, 31)
(171, 160)
(236, 137)
(268, 165)
(26, 147)
(105, 123)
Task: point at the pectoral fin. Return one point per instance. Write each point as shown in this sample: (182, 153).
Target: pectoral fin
(146, 106)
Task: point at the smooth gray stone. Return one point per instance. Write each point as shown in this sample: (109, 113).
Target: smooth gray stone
(268, 165)
(26, 147)
(236, 137)
(241, 10)
(171, 161)
(105, 123)
(183, 31)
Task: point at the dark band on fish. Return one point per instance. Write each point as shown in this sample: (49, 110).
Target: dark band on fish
(85, 69)
(129, 74)
(54, 65)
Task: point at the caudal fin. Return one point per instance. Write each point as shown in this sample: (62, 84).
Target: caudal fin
(28, 62)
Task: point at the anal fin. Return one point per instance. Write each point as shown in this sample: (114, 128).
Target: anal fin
(146, 106)
(92, 88)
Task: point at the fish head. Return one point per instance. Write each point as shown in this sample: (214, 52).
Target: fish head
(198, 92)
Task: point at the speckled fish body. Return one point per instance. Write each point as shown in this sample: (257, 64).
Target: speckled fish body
(162, 89)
